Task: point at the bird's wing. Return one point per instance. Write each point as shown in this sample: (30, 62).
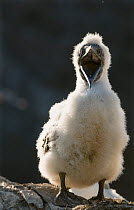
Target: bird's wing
(47, 138)
(49, 134)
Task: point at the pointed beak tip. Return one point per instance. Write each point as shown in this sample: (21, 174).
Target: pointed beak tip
(90, 86)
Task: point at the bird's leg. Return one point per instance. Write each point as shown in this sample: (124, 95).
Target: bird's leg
(66, 198)
(62, 181)
(61, 197)
(100, 195)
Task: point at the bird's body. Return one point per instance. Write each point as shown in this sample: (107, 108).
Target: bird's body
(85, 135)
(87, 138)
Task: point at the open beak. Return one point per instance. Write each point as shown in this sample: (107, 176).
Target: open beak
(95, 75)
(90, 71)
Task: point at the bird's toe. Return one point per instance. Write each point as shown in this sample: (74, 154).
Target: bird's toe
(66, 198)
(100, 198)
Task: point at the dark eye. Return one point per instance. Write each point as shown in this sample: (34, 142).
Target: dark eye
(98, 51)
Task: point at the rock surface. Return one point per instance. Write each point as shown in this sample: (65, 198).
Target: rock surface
(42, 196)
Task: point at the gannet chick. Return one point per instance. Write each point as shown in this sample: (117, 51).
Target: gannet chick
(84, 139)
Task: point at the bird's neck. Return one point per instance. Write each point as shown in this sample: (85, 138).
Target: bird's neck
(103, 82)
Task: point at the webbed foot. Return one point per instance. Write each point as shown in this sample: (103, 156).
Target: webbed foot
(99, 198)
(66, 198)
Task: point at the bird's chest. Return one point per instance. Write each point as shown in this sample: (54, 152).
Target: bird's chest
(85, 128)
(90, 112)
(86, 118)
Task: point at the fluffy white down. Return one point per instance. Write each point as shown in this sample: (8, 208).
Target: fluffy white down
(87, 132)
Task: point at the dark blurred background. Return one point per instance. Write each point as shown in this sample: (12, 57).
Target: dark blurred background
(36, 43)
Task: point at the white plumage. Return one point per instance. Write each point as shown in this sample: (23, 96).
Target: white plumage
(86, 133)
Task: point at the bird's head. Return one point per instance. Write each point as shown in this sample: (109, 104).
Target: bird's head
(91, 59)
